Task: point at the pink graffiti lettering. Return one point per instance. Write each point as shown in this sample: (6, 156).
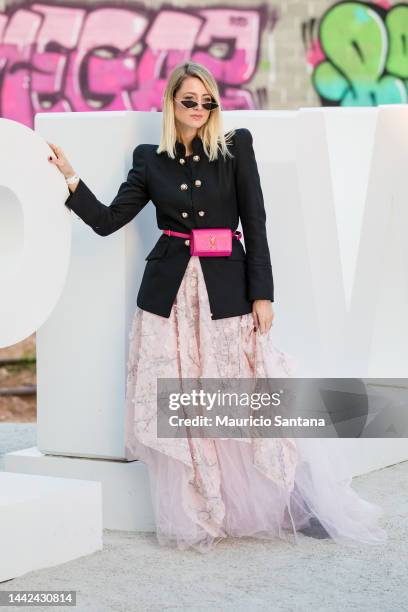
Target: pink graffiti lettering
(56, 58)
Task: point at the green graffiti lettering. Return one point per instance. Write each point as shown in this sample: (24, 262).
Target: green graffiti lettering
(397, 26)
(366, 56)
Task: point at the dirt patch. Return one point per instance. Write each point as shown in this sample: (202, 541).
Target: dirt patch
(23, 408)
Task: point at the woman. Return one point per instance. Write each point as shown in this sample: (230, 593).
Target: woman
(210, 317)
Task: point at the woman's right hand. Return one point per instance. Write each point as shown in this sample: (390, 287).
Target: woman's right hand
(60, 161)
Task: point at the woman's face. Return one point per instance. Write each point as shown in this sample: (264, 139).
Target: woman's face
(192, 88)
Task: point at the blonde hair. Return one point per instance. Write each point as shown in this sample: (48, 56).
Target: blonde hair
(212, 132)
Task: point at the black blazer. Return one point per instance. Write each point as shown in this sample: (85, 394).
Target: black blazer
(192, 192)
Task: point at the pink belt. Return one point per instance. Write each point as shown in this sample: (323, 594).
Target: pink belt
(237, 234)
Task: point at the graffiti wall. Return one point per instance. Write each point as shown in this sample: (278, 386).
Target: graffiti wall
(81, 58)
(86, 56)
(360, 54)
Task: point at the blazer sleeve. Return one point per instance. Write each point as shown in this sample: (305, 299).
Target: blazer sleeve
(253, 219)
(132, 196)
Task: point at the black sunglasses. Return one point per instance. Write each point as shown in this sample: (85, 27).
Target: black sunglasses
(193, 104)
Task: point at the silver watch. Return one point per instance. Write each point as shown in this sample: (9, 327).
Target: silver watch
(72, 179)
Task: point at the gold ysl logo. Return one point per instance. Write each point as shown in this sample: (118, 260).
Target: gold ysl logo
(212, 242)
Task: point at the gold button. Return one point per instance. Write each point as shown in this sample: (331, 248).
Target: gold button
(183, 186)
(196, 158)
(187, 242)
(184, 214)
(197, 183)
(201, 213)
(182, 161)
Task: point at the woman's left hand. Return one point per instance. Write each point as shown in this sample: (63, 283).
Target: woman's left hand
(262, 312)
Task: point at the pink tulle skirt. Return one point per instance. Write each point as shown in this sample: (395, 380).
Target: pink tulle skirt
(204, 490)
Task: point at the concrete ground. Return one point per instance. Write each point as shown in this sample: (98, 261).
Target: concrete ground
(132, 573)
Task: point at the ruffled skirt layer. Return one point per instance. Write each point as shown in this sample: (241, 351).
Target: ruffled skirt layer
(204, 490)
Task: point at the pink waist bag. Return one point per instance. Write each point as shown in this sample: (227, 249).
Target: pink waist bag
(209, 242)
